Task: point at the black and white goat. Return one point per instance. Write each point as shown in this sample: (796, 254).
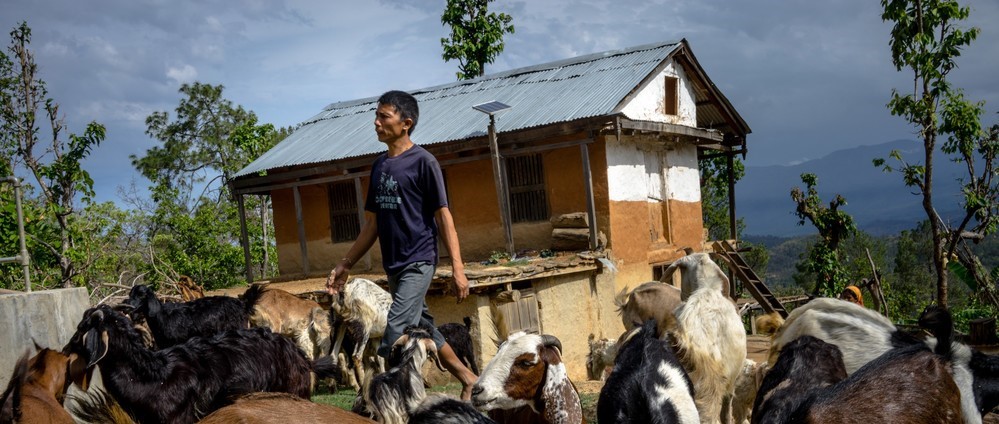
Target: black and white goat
(528, 375)
(648, 383)
(188, 381)
(175, 323)
(459, 337)
(863, 335)
(808, 383)
(391, 395)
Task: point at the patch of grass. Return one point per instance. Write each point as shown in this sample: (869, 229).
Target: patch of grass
(589, 403)
(343, 399)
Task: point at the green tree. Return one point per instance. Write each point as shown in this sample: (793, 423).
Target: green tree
(833, 225)
(714, 196)
(926, 41)
(476, 35)
(195, 226)
(54, 163)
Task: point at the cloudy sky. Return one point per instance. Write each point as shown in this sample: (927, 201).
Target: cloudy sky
(809, 77)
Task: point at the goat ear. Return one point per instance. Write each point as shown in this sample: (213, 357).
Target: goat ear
(78, 371)
(668, 273)
(96, 346)
(433, 356)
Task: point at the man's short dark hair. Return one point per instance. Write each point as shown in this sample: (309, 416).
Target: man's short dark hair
(404, 103)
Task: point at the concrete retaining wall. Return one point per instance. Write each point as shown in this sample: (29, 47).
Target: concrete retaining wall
(47, 317)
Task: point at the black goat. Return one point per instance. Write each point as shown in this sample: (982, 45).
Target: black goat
(185, 382)
(910, 384)
(175, 323)
(648, 383)
(459, 337)
(442, 409)
(804, 365)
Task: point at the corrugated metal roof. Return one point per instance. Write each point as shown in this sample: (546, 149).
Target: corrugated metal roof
(566, 90)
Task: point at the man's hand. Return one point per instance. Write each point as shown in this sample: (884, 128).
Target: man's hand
(460, 285)
(336, 279)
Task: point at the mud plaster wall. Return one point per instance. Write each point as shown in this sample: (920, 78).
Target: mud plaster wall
(570, 310)
(445, 309)
(571, 307)
(323, 253)
(473, 201)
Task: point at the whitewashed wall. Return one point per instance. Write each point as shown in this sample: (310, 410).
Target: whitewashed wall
(636, 165)
(648, 104)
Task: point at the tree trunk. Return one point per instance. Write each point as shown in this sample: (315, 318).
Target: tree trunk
(939, 261)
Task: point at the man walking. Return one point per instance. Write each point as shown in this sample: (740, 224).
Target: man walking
(406, 209)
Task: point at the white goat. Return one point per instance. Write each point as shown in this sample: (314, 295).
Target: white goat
(362, 307)
(710, 336)
(746, 387)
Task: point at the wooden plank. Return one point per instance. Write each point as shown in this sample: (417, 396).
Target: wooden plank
(706, 136)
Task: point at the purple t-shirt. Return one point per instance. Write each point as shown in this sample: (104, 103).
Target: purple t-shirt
(404, 195)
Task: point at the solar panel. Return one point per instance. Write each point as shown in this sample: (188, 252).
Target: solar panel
(491, 107)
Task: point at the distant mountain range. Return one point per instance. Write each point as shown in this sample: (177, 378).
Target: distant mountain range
(879, 202)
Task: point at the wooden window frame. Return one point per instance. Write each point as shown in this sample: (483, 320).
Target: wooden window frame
(525, 177)
(344, 223)
(671, 95)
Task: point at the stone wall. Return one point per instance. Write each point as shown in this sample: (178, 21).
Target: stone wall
(47, 317)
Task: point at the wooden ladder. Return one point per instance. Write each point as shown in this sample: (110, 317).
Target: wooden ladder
(744, 272)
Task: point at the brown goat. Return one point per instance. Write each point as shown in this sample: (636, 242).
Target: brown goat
(527, 375)
(189, 290)
(301, 320)
(650, 300)
(280, 408)
(37, 388)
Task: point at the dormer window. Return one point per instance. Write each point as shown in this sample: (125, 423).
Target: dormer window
(671, 96)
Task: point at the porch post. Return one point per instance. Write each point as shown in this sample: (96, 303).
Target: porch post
(360, 215)
(301, 231)
(591, 212)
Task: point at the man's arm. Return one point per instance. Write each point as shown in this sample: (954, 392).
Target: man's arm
(445, 223)
(367, 237)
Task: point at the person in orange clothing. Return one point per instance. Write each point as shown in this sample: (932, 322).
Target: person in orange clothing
(852, 294)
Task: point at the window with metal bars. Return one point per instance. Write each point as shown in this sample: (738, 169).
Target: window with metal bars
(344, 223)
(526, 178)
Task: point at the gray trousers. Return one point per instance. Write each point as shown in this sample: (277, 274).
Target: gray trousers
(409, 304)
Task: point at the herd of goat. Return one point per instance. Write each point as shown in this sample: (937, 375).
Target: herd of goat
(682, 359)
